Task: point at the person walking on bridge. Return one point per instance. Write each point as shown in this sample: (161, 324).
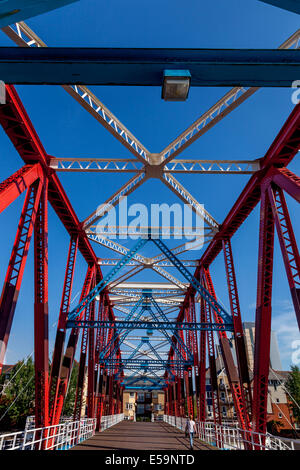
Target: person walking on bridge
(191, 428)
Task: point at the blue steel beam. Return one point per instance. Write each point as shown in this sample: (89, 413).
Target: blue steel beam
(141, 379)
(142, 387)
(290, 5)
(145, 67)
(13, 11)
(144, 325)
(118, 332)
(145, 364)
(175, 333)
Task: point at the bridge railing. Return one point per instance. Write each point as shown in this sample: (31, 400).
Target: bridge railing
(59, 437)
(111, 420)
(229, 437)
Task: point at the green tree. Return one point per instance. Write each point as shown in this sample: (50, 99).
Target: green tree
(293, 386)
(69, 404)
(17, 396)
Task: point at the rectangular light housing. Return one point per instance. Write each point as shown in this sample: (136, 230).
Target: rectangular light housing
(176, 85)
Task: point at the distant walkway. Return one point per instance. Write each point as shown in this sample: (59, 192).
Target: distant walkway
(128, 435)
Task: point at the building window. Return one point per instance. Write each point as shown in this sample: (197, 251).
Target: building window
(132, 394)
(222, 395)
(158, 407)
(279, 415)
(140, 409)
(277, 400)
(224, 410)
(154, 395)
(140, 397)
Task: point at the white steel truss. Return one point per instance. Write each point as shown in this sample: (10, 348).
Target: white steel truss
(23, 36)
(121, 165)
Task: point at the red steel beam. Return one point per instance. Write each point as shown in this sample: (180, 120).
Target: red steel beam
(19, 128)
(288, 181)
(12, 187)
(17, 262)
(263, 315)
(281, 153)
(288, 244)
(61, 328)
(41, 340)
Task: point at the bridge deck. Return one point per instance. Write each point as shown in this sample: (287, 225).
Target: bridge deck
(141, 436)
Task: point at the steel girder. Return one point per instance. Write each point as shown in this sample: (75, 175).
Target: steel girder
(145, 67)
(288, 245)
(23, 36)
(121, 165)
(281, 152)
(14, 275)
(61, 329)
(41, 347)
(240, 346)
(19, 129)
(263, 314)
(12, 187)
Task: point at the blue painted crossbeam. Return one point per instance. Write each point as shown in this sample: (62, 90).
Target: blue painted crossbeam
(142, 363)
(144, 325)
(144, 387)
(145, 67)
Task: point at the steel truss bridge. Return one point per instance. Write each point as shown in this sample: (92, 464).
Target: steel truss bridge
(181, 319)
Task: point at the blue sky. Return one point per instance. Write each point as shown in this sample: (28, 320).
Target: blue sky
(67, 130)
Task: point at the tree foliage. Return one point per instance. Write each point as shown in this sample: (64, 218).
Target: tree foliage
(293, 386)
(17, 396)
(69, 404)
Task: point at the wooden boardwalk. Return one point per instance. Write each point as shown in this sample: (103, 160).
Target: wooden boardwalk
(128, 435)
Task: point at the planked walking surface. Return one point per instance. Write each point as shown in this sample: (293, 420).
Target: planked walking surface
(128, 435)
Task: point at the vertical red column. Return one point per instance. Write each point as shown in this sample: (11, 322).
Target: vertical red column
(231, 371)
(14, 274)
(288, 244)
(239, 339)
(91, 367)
(61, 328)
(202, 366)
(41, 349)
(263, 315)
(89, 314)
(67, 363)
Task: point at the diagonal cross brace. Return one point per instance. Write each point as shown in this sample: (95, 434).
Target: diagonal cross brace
(194, 282)
(103, 283)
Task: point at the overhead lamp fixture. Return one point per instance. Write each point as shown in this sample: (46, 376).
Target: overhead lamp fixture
(176, 85)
